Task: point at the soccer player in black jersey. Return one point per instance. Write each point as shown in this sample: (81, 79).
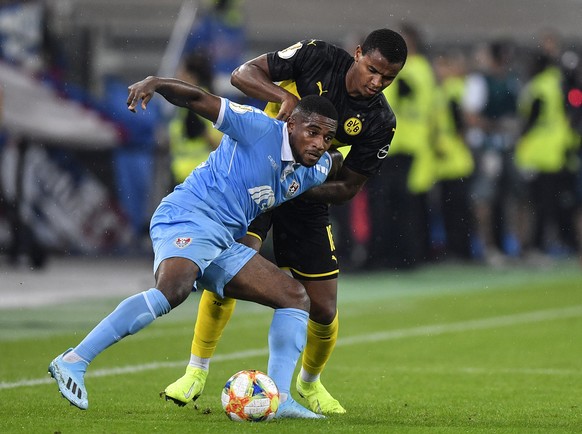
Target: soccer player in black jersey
(302, 235)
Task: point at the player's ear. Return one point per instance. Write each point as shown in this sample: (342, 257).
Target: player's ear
(358, 53)
(291, 122)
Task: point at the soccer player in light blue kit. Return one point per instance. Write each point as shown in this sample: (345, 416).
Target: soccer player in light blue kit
(260, 163)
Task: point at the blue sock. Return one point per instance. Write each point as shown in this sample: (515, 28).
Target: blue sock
(132, 315)
(287, 337)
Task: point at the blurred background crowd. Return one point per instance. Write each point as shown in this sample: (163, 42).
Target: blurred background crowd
(485, 165)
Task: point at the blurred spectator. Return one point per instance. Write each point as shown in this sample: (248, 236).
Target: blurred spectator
(398, 195)
(22, 44)
(490, 106)
(21, 33)
(542, 154)
(551, 44)
(133, 161)
(27, 40)
(191, 137)
(220, 30)
(3, 201)
(567, 58)
(454, 162)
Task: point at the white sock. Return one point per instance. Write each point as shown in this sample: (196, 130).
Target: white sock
(307, 377)
(199, 362)
(73, 357)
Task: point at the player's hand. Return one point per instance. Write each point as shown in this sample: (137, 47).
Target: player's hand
(142, 90)
(287, 107)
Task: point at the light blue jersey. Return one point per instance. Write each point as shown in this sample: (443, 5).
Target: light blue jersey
(252, 171)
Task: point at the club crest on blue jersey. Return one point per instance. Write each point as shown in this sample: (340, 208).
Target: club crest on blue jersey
(292, 189)
(182, 242)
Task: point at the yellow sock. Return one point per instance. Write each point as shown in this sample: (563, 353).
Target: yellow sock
(321, 340)
(213, 315)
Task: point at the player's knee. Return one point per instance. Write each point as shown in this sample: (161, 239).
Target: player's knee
(323, 313)
(175, 278)
(322, 316)
(297, 296)
(176, 294)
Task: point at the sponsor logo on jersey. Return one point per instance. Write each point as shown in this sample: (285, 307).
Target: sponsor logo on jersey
(292, 189)
(289, 52)
(263, 196)
(322, 169)
(287, 170)
(320, 87)
(274, 164)
(239, 108)
(353, 126)
(182, 242)
(383, 152)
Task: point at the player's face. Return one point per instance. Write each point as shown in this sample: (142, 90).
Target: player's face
(310, 137)
(370, 74)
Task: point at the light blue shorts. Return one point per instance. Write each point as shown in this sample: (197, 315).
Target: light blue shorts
(195, 235)
(225, 267)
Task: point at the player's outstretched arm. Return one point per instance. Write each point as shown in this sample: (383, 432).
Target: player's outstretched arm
(177, 92)
(254, 79)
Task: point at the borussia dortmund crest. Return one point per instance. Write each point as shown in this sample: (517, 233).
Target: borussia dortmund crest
(353, 126)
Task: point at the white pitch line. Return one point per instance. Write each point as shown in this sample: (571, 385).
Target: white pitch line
(487, 371)
(421, 331)
(462, 326)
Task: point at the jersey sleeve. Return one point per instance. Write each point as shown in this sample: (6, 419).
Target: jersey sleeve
(299, 59)
(317, 174)
(243, 123)
(367, 158)
(323, 167)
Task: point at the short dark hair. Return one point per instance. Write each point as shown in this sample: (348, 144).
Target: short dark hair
(389, 43)
(316, 104)
(539, 61)
(501, 50)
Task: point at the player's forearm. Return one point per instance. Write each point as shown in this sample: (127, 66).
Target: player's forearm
(192, 97)
(332, 192)
(256, 83)
(175, 91)
(179, 93)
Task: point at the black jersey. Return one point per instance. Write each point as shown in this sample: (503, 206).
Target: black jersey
(314, 67)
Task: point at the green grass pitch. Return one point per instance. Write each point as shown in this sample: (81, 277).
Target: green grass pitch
(445, 349)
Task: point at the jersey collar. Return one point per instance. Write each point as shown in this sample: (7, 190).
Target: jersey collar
(286, 153)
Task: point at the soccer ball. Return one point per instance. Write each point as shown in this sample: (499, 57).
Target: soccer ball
(250, 395)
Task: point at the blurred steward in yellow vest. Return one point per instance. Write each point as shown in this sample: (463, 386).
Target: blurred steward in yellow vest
(401, 234)
(411, 96)
(453, 159)
(547, 137)
(191, 137)
(545, 154)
